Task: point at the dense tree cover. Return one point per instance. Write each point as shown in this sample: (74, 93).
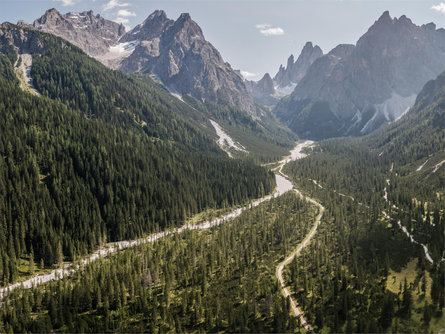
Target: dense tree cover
(67, 74)
(344, 165)
(70, 182)
(222, 280)
(349, 168)
(340, 279)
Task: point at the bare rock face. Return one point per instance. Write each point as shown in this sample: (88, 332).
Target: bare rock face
(359, 88)
(296, 70)
(18, 40)
(92, 33)
(263, 90)
(177, 53)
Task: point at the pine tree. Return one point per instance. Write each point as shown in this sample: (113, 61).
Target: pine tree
(31, 263)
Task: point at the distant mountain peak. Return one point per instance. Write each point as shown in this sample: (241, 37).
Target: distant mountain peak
(153, 26)
(184, 17)
(370, 83)
(157, 13)
(308, 46)
(294, 71)
(185, 22)
(290, 61)
(52, 11)
(385, 17)
(177, 53)
(50, 14)
(93, 34)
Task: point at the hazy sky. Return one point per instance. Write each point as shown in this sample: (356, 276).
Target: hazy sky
(253, 36)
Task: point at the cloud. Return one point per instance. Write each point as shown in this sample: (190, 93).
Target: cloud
(268, 30)
(65, 2)
(112, 4)
(122, 20)
(248, 75)
(125, 13)
(439, 8)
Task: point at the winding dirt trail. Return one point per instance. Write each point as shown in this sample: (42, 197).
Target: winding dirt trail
(279, 272)
(295, 155)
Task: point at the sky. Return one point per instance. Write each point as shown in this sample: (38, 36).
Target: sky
(253, 36)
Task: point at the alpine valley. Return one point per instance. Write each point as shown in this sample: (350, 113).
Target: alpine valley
(147, 186)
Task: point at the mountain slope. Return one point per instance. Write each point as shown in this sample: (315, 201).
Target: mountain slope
(98, 156)
(373, 82)
(416, 143)
(176, 52)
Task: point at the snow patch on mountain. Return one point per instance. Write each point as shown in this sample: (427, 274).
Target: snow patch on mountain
(124, 48)
(117, 53)
(287, 90)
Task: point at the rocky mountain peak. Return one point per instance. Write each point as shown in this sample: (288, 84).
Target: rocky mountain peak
(290, 61)
(429, 26)
(93, 34)
(385, 18)
(184, 17)
(386, 24)
(266, 84)
(51, 15)
(295, 70)
(177, 53)
(361, 87)
(187, 28)
(308, 48)
(263, 90)
(153, 26)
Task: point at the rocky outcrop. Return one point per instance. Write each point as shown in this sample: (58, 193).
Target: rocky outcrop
(18, 40)
(359, 88)
(92, 33)
(294, 71)
(177, 53)
(286, 79)
(263, 90)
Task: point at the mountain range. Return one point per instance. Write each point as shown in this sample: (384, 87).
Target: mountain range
(147, 145)
(351, 90)
(354, 89)
(174, 52)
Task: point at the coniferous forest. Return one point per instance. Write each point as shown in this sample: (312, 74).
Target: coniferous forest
(71, 181)
(217, 280)
(163, 222)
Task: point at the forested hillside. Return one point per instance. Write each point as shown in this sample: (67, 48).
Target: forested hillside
(382, 241)
(100, 157)
(219, 280)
